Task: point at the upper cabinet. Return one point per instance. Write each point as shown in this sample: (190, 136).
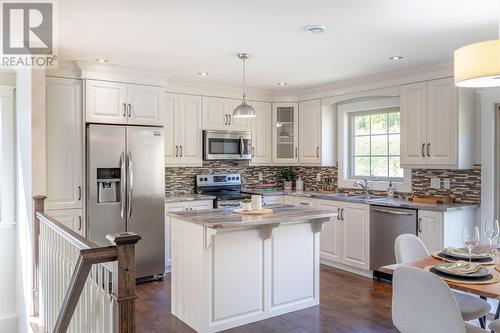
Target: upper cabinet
(64, 143)
(310, 132)
(261, 134)
(183, 140)
(285, 133)
(218, 115)
(121, 103)
(437, 125)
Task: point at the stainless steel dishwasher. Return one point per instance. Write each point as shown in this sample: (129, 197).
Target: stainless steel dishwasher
(387, 223)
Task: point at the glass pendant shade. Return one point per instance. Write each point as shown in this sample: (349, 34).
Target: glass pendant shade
(244, 110)
(478, 65)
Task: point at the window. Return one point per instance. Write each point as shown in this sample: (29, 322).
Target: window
(375, 145)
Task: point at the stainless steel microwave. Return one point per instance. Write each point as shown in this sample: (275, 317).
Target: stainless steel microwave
(226, 145)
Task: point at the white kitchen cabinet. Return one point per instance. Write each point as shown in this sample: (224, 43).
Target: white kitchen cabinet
(218, 115)
(121, 103)
(437, 125)
(285, 133)
(442, 229)
(146, 105)
(261, 134)
(289, 200)
(310, 132)
(64, 143)
(179, 207)
(355, 220)
(183, 140)
(272, 199)
(331, 235)
(305, 202)
(72, 218)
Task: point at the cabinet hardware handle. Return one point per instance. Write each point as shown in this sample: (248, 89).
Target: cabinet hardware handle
(420, 225)
(338, 214)
(342, 214)
(428, 150)
(393, 212)
(230, 119)
(79, 193)
(176, 151)
(129, 109)
(423, 149)
(296, 151)
(304, 204)
(124, 109)
(180, 154)
(79, 223)
(317, 151)
(253, 151)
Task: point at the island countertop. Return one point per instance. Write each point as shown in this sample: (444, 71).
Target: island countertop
(225, 218)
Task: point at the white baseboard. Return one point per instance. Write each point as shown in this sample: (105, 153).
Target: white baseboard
(358, 271)
(9, 324)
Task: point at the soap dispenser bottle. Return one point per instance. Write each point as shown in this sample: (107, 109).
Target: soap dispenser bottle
(390, 190)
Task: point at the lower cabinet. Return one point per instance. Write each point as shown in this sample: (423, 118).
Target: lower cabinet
(346, 239)
(442, 229)
(72, 218)
(178, 207)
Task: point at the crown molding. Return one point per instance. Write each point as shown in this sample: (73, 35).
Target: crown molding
(378, 81)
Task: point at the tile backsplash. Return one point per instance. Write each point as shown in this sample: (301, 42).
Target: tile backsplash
(465, 184)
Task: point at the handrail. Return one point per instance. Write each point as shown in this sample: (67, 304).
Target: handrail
(121, 253)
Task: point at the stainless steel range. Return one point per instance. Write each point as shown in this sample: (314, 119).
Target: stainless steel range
(226, 187)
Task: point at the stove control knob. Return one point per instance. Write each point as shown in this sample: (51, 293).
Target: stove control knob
(237, 178)
(206, 179)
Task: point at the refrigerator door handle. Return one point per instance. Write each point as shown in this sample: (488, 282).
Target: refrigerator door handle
(130, 183)
(122, 185)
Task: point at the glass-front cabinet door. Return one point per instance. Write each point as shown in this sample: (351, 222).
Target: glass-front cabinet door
(285, 133)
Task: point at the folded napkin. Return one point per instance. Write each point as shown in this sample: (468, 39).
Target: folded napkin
(464, 267)
(461, 252)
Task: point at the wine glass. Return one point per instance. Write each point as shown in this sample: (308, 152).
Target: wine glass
(470, 237)
(491, 231)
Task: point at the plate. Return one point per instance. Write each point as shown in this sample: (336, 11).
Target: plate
(446, 268)
(463, 253)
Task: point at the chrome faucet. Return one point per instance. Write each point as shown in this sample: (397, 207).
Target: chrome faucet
(364, 185)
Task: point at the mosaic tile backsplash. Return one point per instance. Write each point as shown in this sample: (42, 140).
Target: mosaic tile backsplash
(465, 184)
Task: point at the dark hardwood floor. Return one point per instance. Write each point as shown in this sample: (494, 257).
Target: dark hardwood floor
(349, 303)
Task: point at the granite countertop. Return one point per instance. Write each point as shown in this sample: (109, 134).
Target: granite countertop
(373, 200)
(187, 197)
(225, 218)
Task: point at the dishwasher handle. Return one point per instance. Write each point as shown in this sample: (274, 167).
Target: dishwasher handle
(393, 212)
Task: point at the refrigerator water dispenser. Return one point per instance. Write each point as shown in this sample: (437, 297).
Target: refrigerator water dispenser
(108, 185)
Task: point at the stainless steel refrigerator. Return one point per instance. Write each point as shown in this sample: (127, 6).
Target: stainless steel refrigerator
(126, 190)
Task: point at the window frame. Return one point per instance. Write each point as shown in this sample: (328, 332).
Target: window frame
(351, 136)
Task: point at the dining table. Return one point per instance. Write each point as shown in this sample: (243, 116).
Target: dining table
(484, 291)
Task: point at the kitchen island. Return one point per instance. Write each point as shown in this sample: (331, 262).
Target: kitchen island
(229, 269)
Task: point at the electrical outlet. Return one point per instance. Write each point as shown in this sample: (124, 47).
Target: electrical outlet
(447, 183)
(318, 177)
(436, 183)
(261, 177)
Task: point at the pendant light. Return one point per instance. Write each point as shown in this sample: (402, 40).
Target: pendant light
(478, 65)
(244, 110)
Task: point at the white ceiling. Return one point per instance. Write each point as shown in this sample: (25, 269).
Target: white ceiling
(182, 38)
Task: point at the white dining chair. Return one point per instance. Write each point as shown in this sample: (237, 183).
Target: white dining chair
(409, 247)
(423, 302)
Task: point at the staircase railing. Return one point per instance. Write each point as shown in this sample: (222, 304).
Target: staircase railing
(78, 286)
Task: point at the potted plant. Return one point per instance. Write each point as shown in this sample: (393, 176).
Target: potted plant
(287, 175)
(246, 204)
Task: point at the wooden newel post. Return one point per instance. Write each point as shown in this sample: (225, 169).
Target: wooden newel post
(124, 281)
(38, 206)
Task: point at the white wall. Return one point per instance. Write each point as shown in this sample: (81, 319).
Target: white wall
(30, 178)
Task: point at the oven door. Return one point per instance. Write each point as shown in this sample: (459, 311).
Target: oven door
(225, 145)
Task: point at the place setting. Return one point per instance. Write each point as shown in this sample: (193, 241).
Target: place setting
(471, 264)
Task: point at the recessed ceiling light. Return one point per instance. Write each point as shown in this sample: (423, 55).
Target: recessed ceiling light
(203, 73)
(282, 83)
(100, 60)
(315, 29)
(396, 57)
